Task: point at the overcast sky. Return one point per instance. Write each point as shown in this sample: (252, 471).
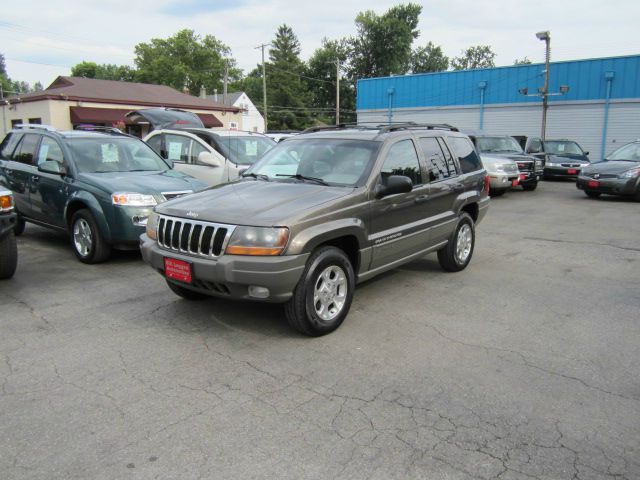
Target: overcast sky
(41, 39)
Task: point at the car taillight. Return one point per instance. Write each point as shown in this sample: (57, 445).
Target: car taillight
(487, 183)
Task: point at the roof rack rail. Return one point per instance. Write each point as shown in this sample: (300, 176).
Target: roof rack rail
(99, 128)
(410, 125)
(38, 126)
(342, 126)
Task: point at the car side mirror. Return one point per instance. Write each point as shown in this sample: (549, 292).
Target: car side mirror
(586, 153)
(395, 184)
(208, 158)
(51, 166)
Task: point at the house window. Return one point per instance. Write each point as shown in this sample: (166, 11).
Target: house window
(36, 121)
(15, 123)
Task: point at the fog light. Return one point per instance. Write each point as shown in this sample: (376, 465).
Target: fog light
(258, 292)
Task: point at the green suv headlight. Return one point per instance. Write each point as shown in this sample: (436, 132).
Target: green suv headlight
(133, 199)
(257, 241)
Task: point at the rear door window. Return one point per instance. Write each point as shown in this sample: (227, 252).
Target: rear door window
(26, 151)
(440, 166)
(467, 157)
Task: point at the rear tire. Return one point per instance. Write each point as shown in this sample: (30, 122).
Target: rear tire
(456, 255)
(323, 295)
(529, 187)
(496, 193)
(185, 292)
(86, 238)
(8, 255)
(592, 194)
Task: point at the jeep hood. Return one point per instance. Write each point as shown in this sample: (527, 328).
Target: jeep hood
(152, 182)
(253, 202)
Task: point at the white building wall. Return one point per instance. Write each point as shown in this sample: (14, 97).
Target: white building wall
(250, 118)
(582, 122)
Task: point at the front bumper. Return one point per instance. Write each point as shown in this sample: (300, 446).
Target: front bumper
(559, 171)
(529, 177)
(612, 186)
(7, 223)
(229, 276)
(502, 181)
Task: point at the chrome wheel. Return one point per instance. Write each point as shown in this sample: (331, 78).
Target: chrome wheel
(82, 237)
(330, 293)
(464, 243)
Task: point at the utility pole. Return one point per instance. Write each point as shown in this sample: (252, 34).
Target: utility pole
(337, 91)
(264, 85)
(226, 81)
(546, 37)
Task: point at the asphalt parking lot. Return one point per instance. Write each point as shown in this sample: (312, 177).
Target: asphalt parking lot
(525, 365)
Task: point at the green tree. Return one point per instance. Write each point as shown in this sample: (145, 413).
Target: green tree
(286, 89)
(479, 56)
(37, 87)
(321, 73)
(185, 59)
(429, 59)
(382, 45)
(105, 71)
(5, 82)
(524, 61)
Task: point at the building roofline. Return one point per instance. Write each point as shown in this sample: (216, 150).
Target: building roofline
(71, 98)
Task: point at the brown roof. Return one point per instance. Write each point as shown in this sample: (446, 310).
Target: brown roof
(123, 93)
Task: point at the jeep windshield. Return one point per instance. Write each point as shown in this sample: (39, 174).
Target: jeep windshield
(114, 154)
(498, 145)
(562, 148)
(337, 162)
(245, 150)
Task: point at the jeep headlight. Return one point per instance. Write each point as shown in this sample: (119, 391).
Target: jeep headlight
(257, 241)
(6, 201)
(133, 199)
(152, 225)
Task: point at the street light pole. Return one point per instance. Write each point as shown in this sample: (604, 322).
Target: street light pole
(546, 36)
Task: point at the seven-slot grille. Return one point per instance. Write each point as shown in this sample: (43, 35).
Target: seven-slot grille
(191, 237)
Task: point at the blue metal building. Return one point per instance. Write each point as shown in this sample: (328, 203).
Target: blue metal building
(601, 109)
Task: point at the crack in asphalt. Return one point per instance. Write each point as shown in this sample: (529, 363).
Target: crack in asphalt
(577, 242)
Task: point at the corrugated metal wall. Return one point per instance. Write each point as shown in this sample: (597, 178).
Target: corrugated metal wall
(581, 122)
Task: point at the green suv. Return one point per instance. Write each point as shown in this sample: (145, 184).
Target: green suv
(99, 186)
(321, 212)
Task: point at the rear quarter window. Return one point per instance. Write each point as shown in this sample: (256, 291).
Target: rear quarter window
(467, 157)
(9, 145)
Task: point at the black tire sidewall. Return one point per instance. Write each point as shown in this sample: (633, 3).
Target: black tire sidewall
(8, 255)
(320, 260)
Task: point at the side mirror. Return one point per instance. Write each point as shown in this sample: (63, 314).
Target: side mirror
(208, 158)
(586, 153)
(395, 184)
(51, 166)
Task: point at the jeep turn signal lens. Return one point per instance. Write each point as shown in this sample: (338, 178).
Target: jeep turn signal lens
(257, 241)
(6, 202)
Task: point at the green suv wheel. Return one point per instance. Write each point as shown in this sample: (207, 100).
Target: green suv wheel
(456, 255)
(323, 296)
(86, 238)
(8, 256)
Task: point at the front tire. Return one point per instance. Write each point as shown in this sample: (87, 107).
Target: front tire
(592, 194)
(497, 193)
(456, 255)
(8, 256)
(529, 187)
(323, 296)
(86, 238)
(18, 228)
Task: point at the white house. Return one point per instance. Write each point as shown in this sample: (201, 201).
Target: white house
(251, 119)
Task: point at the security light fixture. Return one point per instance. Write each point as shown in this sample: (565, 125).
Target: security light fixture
(564, 88)
(544, 35)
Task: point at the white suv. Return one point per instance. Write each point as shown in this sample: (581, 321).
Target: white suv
(212, 156)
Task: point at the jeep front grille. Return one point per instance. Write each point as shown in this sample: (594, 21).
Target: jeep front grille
(193, 238)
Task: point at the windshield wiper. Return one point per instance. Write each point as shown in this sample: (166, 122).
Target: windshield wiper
(297, 176)
(260, 176)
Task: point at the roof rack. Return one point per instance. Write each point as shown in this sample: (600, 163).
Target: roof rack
(342, 126)
(35, 126)
(100, 128)
(410, 125)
